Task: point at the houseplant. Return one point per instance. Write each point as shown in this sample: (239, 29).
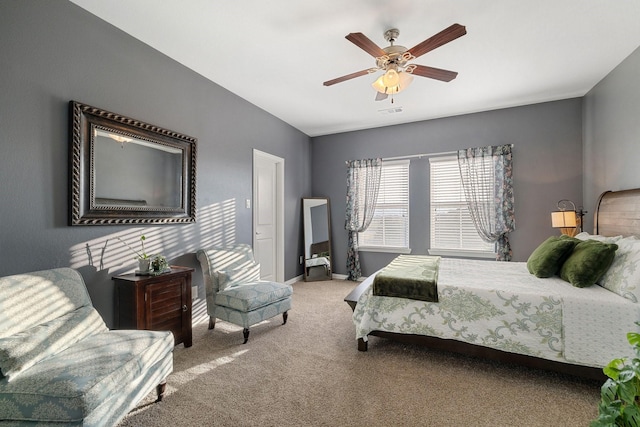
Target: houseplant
(620, 394)
(159, 264)
(144, 261)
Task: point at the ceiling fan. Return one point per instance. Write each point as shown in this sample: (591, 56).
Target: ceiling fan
(394, 61)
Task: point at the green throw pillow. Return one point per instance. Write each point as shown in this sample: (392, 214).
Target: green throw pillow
(547, 259)
(588, 262)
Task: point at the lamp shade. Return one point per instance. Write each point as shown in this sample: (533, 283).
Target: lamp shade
(403, 79)
(563, 219)
(379, 85)
(391, 78)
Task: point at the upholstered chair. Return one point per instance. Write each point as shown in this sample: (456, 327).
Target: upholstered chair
(235, 292)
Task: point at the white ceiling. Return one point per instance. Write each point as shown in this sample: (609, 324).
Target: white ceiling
(276, 53)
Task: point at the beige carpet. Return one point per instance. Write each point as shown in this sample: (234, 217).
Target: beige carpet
(309, 373)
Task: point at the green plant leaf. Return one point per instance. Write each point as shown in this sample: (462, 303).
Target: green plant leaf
(633, 367)
(603, 421)
(144, 253)
(608, 392)
(612, 370)
(633, 338)
(607, 417)
(612, 409)
(627, 391)
(620, 394)
(631, 415)
(627, 374)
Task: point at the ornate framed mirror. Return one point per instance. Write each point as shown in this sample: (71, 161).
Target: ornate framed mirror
(317, 238)
(124, 171)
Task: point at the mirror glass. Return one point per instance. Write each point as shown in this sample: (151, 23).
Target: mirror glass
(317, 238)
(155, 169)
(124, 171)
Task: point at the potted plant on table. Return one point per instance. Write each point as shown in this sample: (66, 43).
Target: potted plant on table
(144, 261)
(159, 264)
(620, 394)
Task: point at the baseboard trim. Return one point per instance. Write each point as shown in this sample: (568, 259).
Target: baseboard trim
(294, 280)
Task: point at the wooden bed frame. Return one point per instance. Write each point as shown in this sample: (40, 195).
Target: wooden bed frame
(617, 213)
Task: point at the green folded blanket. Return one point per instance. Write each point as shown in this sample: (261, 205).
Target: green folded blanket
(409, 276)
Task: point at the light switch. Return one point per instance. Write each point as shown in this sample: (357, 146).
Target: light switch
(247, 203)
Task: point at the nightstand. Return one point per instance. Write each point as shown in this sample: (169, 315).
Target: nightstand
(159, 303)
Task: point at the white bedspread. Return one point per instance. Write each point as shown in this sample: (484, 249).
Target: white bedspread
(500, 305)
(318, 261)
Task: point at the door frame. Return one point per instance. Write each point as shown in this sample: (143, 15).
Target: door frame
(279, 204)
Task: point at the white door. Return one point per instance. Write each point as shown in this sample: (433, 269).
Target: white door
(267, 198)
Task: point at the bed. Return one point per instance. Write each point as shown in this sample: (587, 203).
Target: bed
(499, 310)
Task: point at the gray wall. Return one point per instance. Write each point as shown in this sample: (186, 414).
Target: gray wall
(547, 167)
(53, 52)
(612, 132)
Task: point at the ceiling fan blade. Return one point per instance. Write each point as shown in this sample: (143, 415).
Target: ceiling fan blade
(381, 96)
(365, 43)
(434, 73)
(347, 77)
(445, 36)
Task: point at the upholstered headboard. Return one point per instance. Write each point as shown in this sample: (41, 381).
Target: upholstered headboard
(618, 213)
(320, 247)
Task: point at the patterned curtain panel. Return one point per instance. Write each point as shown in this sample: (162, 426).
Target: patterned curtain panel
(487, 180)
(363, 183)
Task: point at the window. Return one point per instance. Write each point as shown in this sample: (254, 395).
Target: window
(389, 229)
(452, 229)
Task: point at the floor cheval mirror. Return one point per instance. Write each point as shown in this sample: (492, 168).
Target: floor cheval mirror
(317, 239)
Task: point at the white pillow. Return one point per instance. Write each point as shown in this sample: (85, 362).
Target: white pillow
(238, 276)
(604, 239)
(623, 277)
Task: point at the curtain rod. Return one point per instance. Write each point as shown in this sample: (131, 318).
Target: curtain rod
(413, 156)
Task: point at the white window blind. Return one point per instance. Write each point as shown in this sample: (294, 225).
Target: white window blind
(389, 229)
(452, 229)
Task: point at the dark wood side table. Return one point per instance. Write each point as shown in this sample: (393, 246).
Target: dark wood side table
(159, 303)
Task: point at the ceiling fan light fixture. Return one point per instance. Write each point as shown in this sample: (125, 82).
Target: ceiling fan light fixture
(405, 80)
(391, 78)
(402, 82)
(379, 85)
